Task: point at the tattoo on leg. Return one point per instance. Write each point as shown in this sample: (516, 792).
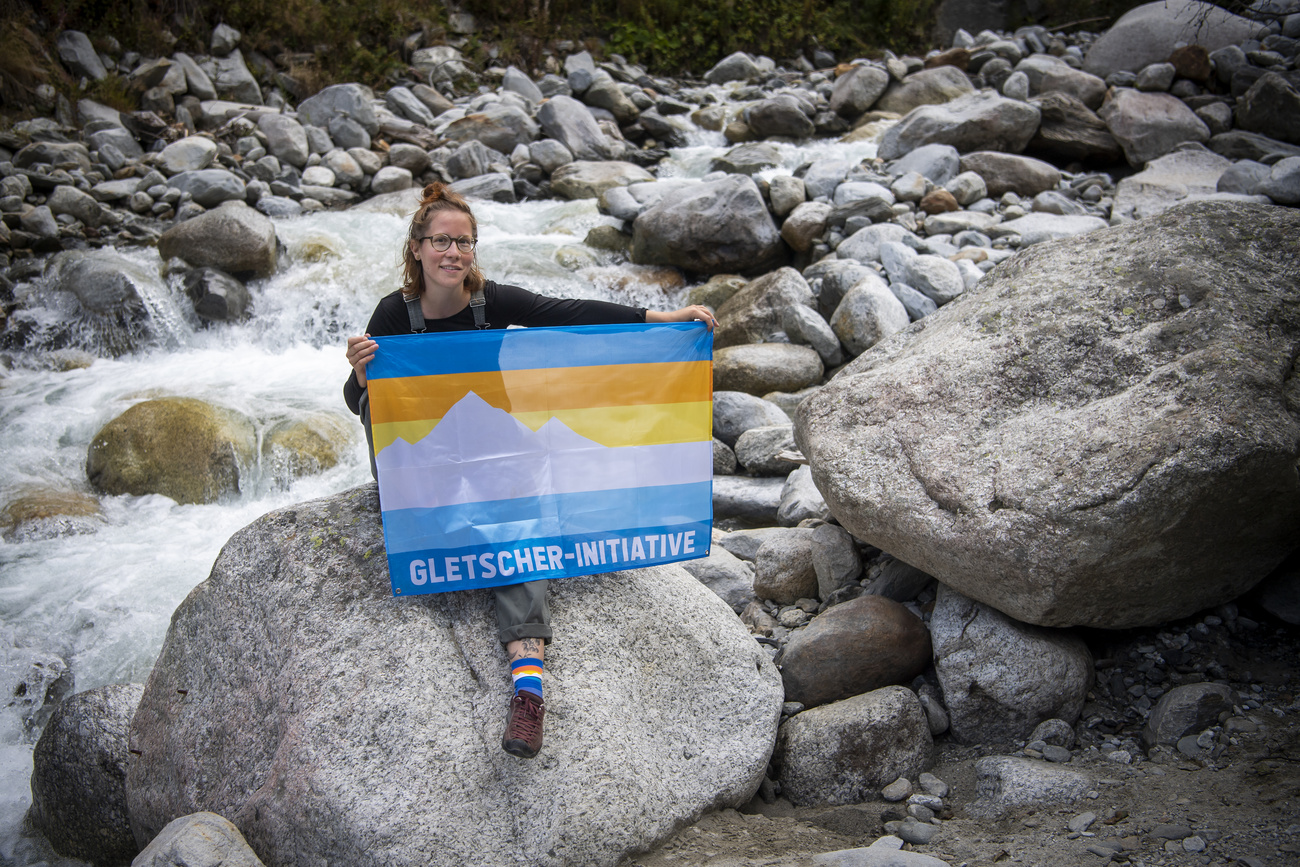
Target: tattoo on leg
(529, 647)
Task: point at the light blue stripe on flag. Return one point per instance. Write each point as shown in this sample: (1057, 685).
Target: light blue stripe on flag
(504, 521)
(532, 348)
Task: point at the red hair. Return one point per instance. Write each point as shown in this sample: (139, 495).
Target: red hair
(434, 198)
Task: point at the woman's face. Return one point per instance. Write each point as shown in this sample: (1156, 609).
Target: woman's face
(446, 270)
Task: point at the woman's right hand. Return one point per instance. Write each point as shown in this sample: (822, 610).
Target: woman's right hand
(360, 351)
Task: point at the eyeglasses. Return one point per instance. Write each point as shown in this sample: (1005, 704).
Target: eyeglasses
(442, 242)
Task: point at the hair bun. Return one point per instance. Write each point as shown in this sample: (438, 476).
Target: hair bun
(432, 193)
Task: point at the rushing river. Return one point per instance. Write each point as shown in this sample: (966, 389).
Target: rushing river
(101, 601)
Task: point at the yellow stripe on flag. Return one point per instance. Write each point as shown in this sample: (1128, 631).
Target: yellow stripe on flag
(552, 390)
(612, 426)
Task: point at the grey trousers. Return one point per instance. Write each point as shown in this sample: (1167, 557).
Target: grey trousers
(522, 609)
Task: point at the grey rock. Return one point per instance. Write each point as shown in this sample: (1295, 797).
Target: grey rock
(724, 459)
(1147, 496)
(783, 570)
(80, 761)
(851, 648)
(882, 853)
(105, 292)
(197, 82)
(836, 559)
(234, 81)
(761, 308)
(805, 326)
(1039, 227)
(753, 500)
(118, 138)
(233, 238)
(844, 753)
(500, 126)
(1241, 145)
(726, 575)
(734, 67)
(1167, 181)
(868, 314)
(190, 154)
(857, 90)
(69, 200)
(217, 297)
(927, 87)
(898, 581)
(800, 500)
(549, 154)
(209, 187)
(935, 277)
(604, 92)
(758, 448)
(712, 227)
(406, 104)
(745, 543)
(346, 132)
(491, 187)
(411, 157)
(938, 163)
(353, 101)
(748, 159)
(278, 206)
(823, 176)
(567, 120)
(224, 39)
(779, 116)
(79, 56)
(1016, 86)
(390, 179)
(759, 368)
(735, 412)
(1001, 678)
(1003, 782)
(976, 121)
(1056, 732)
(1150, 125)
(1049, 74)
(517, 82)
(864, 244)
(473, 158)
(1242, 177)
(584, 179)
(1270, 107)
(1283, 182)
(1150, 33)
(1071, 132)
(286, 139)
(199, 838)
(786, 193)
(1003, 173)
(722, 721)
(1186, 710)
(1155, 77)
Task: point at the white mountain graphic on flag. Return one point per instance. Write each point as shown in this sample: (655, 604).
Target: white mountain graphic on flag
(478, 453)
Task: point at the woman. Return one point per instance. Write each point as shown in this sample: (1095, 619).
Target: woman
(440, 271)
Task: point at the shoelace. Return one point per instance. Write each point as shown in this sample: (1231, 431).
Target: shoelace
(527, 721)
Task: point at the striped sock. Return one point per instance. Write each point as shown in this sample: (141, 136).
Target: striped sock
(527, 675)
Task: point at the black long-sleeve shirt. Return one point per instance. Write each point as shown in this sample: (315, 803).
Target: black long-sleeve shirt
(505, 306)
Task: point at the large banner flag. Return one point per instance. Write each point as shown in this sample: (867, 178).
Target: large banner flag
(510, 455)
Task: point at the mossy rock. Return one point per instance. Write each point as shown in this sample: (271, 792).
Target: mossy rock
(44, 513)
(717, 291)
(179, 447)
(303, 446)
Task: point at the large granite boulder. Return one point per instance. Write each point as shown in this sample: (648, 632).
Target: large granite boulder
(79, 773)
(759, 309)
(974, 122)
(584, 179)
(180, 447)
(1001, 678)
(1070, 131)
(340, 725)
(233, 238)
(98, 299)
(1272, 106)
(858, 89)
(714, 227)
(1099, 435)
(500, 126)
(854, 647)
(1151, 32)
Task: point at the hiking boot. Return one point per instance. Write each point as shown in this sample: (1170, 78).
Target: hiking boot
(523, 737)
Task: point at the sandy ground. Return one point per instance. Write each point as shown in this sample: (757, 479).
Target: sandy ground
(1242, 805)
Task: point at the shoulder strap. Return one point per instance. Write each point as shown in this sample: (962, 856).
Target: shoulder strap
(415, 314)
(478, 306)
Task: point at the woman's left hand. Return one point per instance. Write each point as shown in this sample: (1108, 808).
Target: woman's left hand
(686, 314)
